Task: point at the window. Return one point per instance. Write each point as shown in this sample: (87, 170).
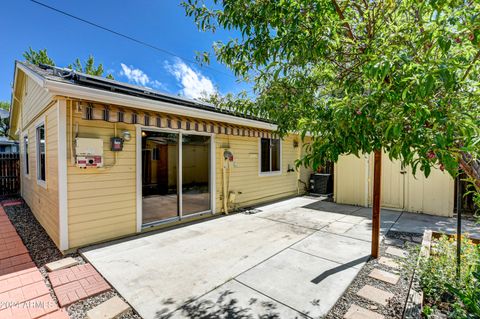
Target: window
(269, 155)
(25, 154)
(41, 165)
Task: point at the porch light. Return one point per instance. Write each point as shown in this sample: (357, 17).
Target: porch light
(126, 135)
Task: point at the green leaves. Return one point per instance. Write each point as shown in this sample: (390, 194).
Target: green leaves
(358, 76)
(38, 57)
(444, 44)
(41, 57)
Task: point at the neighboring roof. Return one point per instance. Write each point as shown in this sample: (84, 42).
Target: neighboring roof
(62, 76)
(5, 141)
(4, 114)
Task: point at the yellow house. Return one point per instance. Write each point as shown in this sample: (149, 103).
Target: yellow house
(102, 159)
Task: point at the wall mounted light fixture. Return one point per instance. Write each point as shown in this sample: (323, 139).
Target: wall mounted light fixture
(126, 136)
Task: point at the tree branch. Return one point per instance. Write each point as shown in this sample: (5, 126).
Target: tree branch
(342, 17)
(467, 163)
(477, 56)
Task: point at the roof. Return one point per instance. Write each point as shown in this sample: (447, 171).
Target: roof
(68, 76)
(4, 114)
(5, 141)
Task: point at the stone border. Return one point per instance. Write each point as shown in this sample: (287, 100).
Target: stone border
(414, 304)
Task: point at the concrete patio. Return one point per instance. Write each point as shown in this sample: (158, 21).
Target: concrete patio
(290, 259)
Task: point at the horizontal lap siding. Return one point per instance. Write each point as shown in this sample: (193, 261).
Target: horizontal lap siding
(245, 180)
(43, 201)
(102, 202)
(35, 99)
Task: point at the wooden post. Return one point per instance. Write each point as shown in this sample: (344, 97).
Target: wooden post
(377, 181)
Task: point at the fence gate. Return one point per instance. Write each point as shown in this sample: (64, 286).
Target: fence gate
(9, 174)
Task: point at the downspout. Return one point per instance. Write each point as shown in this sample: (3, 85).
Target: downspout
(225, 186)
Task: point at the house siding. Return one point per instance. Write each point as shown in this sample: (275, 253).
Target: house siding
(43, 201)
(245, 181)
(101, 202)
(35, 100)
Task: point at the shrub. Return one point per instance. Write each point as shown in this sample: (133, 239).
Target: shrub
(457, 297)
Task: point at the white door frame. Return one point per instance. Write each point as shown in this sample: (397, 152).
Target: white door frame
(212, 175)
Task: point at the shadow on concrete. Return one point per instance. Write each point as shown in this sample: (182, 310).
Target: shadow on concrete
(339, 268)
(224, 307)
(331, 207)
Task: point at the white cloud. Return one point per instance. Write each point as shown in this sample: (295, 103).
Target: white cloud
(136, 76)
(194, 84)
(158, 85)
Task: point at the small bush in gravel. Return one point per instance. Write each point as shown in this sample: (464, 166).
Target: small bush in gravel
(438, 276)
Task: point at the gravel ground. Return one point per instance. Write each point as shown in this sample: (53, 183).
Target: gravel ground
(395, 307)
(43, 250)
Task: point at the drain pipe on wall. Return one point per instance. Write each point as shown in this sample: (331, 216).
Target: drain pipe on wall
(225, 171)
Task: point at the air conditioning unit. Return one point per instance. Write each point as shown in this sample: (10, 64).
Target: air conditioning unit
(88, 152)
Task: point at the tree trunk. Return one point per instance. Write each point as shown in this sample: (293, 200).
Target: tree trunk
(377, 180)
(471, 167)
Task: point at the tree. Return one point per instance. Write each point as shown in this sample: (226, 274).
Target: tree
(38, 57)
(4, 120)
(41, 57)
(89, 67)
(360, 76)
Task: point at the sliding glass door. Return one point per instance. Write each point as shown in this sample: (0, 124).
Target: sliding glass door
(159, 176)
(195, 174)
(175, 176)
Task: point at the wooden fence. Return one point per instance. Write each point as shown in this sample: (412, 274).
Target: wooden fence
(9, 174)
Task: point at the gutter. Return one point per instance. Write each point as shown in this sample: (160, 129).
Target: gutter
(87, 93)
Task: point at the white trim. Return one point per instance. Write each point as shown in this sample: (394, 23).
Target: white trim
(180, 175)
(62, 174)
(86, 93)
(138, 168)
(213, 169)
(40, 122)
(37, 78)
(212, 188)
(270, 173)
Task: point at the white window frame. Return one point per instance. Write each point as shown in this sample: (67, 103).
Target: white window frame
(270, 173)
(40, 182)
(26, 164)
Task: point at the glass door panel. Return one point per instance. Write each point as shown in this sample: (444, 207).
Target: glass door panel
(195, 174)
(159, 176)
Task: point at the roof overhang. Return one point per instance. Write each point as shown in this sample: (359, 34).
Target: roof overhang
(70, 90)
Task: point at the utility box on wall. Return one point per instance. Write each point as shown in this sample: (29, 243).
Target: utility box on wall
(88, 152)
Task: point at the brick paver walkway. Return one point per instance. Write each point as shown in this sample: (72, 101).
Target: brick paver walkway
(76, 283)
(11, 202)
(13, 253)
(23, 292)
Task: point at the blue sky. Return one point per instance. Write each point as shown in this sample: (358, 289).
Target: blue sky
(161, 23)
